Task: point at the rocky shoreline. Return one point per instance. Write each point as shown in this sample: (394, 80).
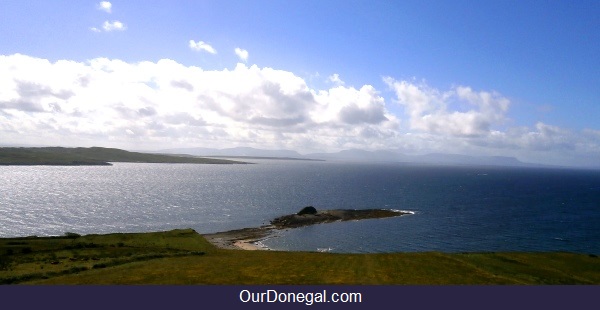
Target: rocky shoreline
(246, 238)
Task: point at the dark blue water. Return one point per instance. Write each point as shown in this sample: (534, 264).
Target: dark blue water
(457, 209)
(465, 209)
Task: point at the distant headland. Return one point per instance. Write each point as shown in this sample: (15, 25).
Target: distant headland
(93, 156)
(246, 237)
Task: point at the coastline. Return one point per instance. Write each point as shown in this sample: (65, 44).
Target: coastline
(94, 156)
(247, 238)
(182, 256)
(240, 239)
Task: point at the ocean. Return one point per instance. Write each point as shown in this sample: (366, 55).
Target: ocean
(455, 209)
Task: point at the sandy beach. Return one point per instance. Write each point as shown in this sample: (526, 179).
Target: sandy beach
(248, 245)
(240, 239)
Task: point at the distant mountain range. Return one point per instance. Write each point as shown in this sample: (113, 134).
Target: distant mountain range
(355, 155)
(235, 152)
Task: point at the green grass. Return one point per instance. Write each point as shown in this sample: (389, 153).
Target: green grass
(91, 156)
(185, 257)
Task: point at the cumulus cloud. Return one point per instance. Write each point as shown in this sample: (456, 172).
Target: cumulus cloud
(353, 106)
(105, 6)
(335, 79)
(108, 26)
(201, 46)
(114, 25)
(460, 111)
(463, 120)
(165, 103)
(242, 54)
(542, 137)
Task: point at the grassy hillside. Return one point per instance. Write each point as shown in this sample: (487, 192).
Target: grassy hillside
(185, 257)
(91, 156)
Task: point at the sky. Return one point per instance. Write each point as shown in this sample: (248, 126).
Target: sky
(500, 78)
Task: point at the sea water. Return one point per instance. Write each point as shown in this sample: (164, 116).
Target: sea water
(454, 209)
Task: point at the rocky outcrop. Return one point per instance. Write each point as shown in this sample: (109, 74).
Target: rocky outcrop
(307, 216)
(307, 210)
(310, 216)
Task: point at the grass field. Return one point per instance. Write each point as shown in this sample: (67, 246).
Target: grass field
(92, 156)
(185, 257)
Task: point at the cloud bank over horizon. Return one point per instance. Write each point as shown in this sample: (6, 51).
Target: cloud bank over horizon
(164, 104)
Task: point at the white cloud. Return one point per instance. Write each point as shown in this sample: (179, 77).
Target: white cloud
(242, 54)
(474, 113)
(352, 106)
(114, 25)
(163, 104)
(335, 79)
(201, 46)
(105, 6)
(108, 26)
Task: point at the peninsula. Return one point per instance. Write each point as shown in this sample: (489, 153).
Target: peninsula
(60, 156)
(246, 238)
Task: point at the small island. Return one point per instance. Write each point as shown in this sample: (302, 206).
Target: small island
(93, 156)
(310, 216)
(245, 238)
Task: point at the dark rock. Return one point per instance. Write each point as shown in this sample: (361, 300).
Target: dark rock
(307, 210)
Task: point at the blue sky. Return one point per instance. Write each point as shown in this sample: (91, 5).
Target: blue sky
(513, 78)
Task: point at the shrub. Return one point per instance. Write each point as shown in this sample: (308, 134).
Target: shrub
(80, 245)
(77, 269)
(16, 243)
(72, 235)
(5, 263)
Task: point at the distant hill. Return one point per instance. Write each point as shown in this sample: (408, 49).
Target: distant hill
(243, 152)
(433, 158)
(356, 155)
(91, 156)
(361, 155)
(441, 158)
